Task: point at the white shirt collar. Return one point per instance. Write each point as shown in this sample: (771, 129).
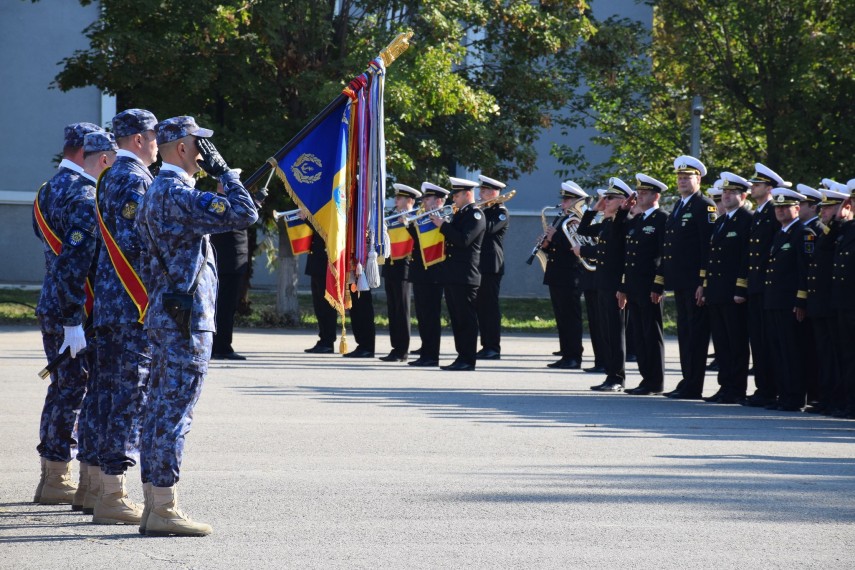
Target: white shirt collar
(65, 163)
(788, 226)
(189, 180)
(86, 174)
(810, 220)
(649, 211)
(762, 206)
(731, 213)
(129, 154)
(687, 198)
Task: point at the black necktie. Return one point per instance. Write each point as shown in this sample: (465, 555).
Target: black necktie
(678, 209)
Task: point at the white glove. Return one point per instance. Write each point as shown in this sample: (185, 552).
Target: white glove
(74, 340)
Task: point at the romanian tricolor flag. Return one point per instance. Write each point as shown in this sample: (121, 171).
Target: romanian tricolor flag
(314, 174)
(431, 242)
(300, 235)
(400, 240)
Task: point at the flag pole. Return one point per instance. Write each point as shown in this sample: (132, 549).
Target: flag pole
(397, 46)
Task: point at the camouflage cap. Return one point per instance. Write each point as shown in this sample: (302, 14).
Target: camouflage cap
(75, 132)
(176, 128)
(132, 121)
(101, 141)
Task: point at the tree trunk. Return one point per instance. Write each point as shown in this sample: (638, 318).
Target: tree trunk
(286, 280)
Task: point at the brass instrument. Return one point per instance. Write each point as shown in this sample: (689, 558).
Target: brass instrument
(501, 199)
(443, 212)
(536, 252)
(289, 216)
(394, 215)
(570, 227)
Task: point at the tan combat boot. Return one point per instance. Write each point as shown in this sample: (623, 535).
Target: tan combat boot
(38, 496)
(166, 519)
(146, 489)
(113, 505)
(58, 489)
(94, 489)
(82, 488)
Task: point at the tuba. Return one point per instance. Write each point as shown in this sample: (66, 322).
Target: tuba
(570, 227)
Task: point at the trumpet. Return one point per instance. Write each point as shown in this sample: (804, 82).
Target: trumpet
(289, 216)
(536, 252)
(442, 212)
(394, 215)
(501, 199)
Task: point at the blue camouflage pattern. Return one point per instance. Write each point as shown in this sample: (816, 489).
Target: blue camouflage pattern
(176, 128)
(178, 372)
(121, 190)
(180, 218)
(133, 121)
(92, 421)
(124, 360)
(75, 133)
(99, 141)
(174, 219)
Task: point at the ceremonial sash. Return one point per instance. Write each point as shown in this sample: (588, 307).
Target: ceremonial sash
(400, 240)
(123, 268)
(55, 245)
(431, 242)
(300, 235)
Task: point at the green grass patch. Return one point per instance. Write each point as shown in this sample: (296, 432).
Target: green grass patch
(17, 307)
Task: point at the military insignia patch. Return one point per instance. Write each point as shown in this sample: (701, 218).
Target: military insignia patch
(711, 217)
(687, 215)
(129, 210)
(217, 206)
(76, 237)
(477, 215)
(785, 247)
(731, 234)
(808, 247)
(503, 217)
(648, 229)
(710, 208)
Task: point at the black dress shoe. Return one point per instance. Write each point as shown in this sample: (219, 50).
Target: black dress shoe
(562, 364)
(359, 353)
(458, 366)
(596, 369)
(608, 387)
(714, 399)
(642, 391)
(421, 361)
(556, 353)
(232, 356)
(669, 394)
(730, 399)
(394, 357)
(319, 349)
(681, 395)
(416, 351)
(488, 354)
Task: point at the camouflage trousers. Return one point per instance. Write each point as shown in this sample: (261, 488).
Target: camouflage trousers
(124, 359)
(58, 434)
(178, 368)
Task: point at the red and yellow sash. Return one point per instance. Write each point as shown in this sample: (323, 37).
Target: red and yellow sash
(431, 242)
(300, 236)
(400, 240)
(55, 245)
(123, 268)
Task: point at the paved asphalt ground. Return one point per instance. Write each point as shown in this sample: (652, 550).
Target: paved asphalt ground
(304, 461)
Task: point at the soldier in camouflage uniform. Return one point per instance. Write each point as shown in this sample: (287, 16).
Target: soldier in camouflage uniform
(123, 350)
(174, 221)
(64, 219)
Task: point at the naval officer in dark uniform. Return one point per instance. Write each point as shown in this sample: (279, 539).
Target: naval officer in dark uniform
(460, 275)
(427, 290)
(728, 319)
(843, 283)
(643, 256)
(492, 268)
(751, 284)
(395, 273)
(316, 269)
(684, 244)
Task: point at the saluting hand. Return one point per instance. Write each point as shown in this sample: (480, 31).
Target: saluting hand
(212, 161)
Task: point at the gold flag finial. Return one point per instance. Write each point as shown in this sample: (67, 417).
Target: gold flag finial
(398, 46)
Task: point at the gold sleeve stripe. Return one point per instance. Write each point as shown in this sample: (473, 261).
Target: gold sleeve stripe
(660, 280)
(801, 294)
(742, 282)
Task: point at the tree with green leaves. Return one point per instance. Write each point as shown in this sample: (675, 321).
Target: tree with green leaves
(481, 79)
(777, 79)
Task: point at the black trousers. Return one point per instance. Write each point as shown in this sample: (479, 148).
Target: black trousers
(693, 337)
(845, 342)
(787, 344)
(398, 307)
(228, 296)
(758, 335)
(830, 390)
(649, 339)
(324, 312)
(489, 314)
(613, 323)
(592, 310)
(464, 320)
(362, 319)
(427, 297)
(729, 325)
(567, 306)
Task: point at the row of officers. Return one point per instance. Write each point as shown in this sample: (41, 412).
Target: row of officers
(767, 285)
(129, 295)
